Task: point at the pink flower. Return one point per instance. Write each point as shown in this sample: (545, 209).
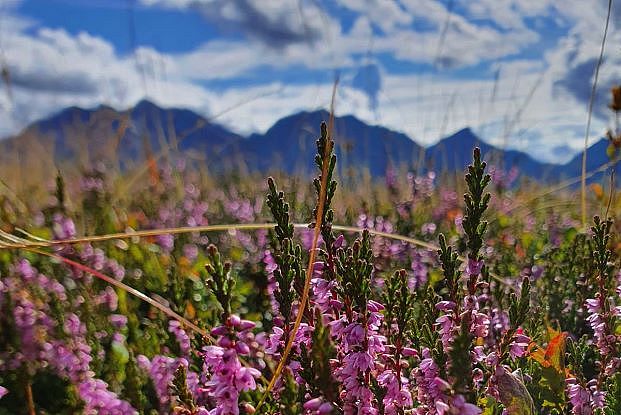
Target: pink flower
(324, 409)
(245, 378)
(318, 406)
(181, 336)
(519, 345)
(461, 407)
(397, 394)
(579, 398)
(227, 377)
(313, 404)
(474, 267)
(409, 352)
(446, 324)
(446, 306)
(480, 324)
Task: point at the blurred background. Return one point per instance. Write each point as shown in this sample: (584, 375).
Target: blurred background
(242, 85)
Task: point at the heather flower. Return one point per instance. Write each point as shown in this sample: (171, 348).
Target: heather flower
(446, 306)
(63, 227)
(429, 228)
(227, 377)
(362, 348)
(474, 267)
(25, 270)
(181, 336)
(420, 274)
(73, 326)
(161, 370)
(397, 395)
(598, 322)
(323, 296)
(519, 346)
(499, 321)
(579, 398)
(430, 388)
(480, 324)
(92, 184)
(190, 251)
(446, 328)
(166, 242)
(119, 321)
(461, 407)
(272, 285)
(98, 400)
(318, 406)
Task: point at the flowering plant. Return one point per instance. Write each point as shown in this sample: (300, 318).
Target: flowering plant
(495, 319)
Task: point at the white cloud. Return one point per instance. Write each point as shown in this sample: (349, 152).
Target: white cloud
(275, 101)
(282, 32)
(275, 23)
(537, 103)
(387, 15)
(53, 69)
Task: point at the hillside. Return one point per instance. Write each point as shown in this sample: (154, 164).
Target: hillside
(81, 137)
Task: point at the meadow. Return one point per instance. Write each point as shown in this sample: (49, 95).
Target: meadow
(177, 291)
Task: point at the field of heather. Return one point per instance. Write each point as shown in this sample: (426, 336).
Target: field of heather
(416, 294)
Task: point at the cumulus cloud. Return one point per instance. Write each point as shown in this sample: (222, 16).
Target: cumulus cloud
(275, 23)
(386, 15)
(575, 58)
(517, 102)
(51, 69)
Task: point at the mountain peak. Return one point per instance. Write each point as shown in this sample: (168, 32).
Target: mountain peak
(465, 136)
(146, 105)
(287, 144)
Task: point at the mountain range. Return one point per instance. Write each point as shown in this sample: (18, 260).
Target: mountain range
(147, 131)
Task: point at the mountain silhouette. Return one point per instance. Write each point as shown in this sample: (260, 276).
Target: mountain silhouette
(148, 131)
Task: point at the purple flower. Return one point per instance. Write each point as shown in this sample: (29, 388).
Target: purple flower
(579, 398)
(109, 298)
(474, 267)
(161, 370)
(226, 375)
(3, 391)
(99, 400)
(447, 327)
(182, 337)
(245, 378)
(461, 407)
(519, 346)
(430, 388)
(318, 406)
(63, 227)
(397, 394)
(190, 251)
(24, 268)
(446, 306)
(362, 345)
(119, 321)
(428, 228)
(166, 242)
(598, 319)
(73, 326)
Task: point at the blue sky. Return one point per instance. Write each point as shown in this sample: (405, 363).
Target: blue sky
(518, 72)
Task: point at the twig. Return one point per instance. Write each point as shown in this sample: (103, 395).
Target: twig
(312, 253)
(589, 116)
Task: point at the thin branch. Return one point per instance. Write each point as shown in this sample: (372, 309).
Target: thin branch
(312, 253)
(589, 116)
(127, 288)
